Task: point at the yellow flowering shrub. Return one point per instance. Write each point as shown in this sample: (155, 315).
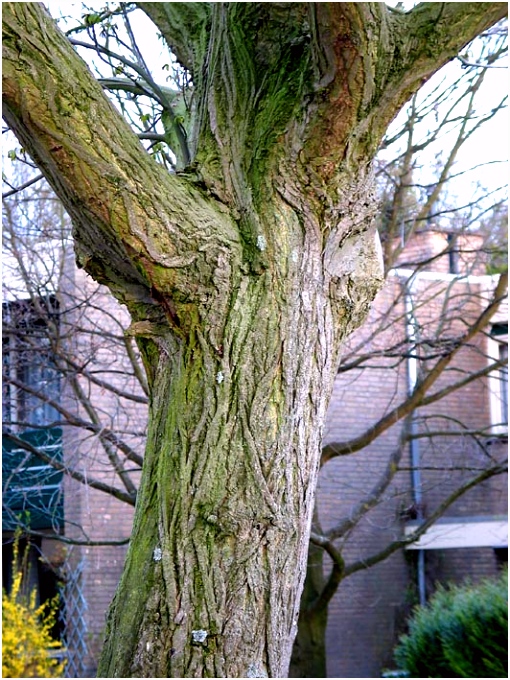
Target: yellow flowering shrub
(26, 633)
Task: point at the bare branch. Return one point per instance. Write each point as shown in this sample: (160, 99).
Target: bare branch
(336, 574)
(74, 474)
(439, 512)
(62, 538)
(23, 186)
(72, 419)
(420, 395)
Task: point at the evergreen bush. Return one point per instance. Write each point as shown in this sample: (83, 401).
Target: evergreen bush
(461, 633)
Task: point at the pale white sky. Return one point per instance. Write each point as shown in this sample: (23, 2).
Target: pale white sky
(486, 152)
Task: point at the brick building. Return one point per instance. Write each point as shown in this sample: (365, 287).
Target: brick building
(422, 308)
(95, 382)
(89, 512)
(430, 307)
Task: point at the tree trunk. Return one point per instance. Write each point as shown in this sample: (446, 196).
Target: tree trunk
(213, 577)
(242, 276)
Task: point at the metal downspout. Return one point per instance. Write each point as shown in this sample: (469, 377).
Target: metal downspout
(412, 334)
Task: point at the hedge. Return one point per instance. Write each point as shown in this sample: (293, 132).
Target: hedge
(461, 633)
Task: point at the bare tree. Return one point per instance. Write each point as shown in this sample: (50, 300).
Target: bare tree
(85, 329)
(219, 265)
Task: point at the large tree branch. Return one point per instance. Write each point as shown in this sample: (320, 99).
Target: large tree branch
(134, 223)
(369, 61)
(393, 466)
(419, 42)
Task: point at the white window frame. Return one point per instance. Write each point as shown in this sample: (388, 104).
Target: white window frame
(498, 380)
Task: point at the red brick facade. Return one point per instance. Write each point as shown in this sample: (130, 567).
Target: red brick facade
(369, 610)
(91, 513)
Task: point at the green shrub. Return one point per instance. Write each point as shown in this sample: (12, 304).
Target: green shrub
(461, 633)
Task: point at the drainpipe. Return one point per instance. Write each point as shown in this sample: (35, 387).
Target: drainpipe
(409, 278)
(412, 335)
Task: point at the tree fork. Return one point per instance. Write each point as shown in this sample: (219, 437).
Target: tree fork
(240, 293)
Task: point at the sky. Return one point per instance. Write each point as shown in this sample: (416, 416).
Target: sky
(483, 158)
(486, 152)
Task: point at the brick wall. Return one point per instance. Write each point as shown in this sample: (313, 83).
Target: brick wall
(370, 608)
(370, 605)
(444, 252)
(91, 514)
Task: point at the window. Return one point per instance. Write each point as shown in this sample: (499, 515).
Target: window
(498, 380)
(29, 376)
(32, 489)
(31, 486)
(501, 555)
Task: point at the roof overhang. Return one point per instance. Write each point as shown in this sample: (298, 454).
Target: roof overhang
(461, 532)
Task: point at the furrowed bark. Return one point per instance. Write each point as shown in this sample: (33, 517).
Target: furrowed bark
(231, 465)
(242, 277)
(219, 554)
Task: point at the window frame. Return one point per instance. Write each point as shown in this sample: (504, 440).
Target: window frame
(497, 344)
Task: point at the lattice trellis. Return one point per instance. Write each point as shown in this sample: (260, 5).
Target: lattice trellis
(72, 615)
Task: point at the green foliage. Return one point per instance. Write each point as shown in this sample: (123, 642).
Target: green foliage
(27, 644)
(461, 633)
(91, 19)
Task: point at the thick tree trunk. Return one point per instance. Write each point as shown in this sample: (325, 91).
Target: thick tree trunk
(213, 577)
(242, 276)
